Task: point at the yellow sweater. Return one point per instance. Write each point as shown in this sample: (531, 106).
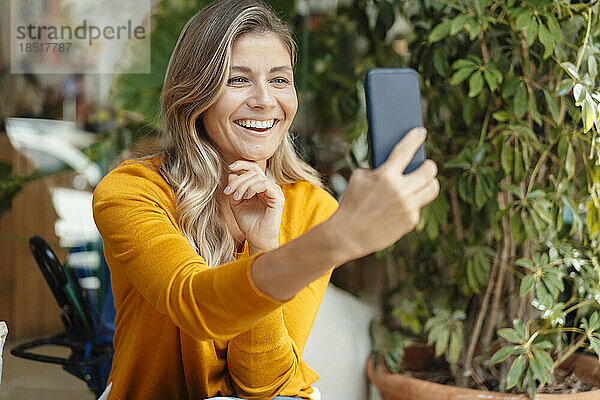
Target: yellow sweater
(187, 331)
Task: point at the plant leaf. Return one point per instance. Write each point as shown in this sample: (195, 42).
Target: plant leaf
(516, 371)
(526, 284)
(442, 342)
(475, 84)
(526, 263)
(578, 93)
(515, 227)
(595, 345)
(592, 67)
(456, 341)
(595, 321)
(588, 114)
(544, 358)
(464, 63)
(544, 344)
(529, 228)
(500, 116)
(440, 31)
(570, 162)
(538, 370)
(546, 39)
(516, 190)
(552, 105)
(490, 78)
(523, 19)
(503, 354)
(554, 27)
(472, 27)
(461, 75)
(520, 329)
(571, 69)
(510, 86)
(510, 335)
(531, 31)
(564, 87)
(458, 23)
(520, 102)
(439, 61)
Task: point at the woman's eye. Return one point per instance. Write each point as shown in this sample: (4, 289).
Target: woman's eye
(281, 81)
(237, 79)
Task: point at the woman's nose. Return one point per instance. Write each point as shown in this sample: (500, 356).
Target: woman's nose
(262, 98)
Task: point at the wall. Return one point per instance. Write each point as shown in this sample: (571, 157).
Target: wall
(26, 303)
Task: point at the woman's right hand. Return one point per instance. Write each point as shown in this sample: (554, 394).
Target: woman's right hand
(381, 205)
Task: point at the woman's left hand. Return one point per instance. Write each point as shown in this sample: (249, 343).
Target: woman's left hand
(256, 203)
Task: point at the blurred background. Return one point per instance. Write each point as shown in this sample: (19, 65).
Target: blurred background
(60, 133)
(510, 99)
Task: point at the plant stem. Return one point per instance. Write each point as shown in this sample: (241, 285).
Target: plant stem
(539, 164)
(468, 366)
(579, 305)
(456, 213)
(493, 314)
(585, 41)
(569, 351)
(484, 51)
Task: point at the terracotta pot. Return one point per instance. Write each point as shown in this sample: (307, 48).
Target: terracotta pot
(402, 387)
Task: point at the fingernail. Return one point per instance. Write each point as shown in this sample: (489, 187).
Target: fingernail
(423, 131)
(232, 165)
(227, 189)
(236, 195)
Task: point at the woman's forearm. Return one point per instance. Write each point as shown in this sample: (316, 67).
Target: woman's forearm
(378, 208)
(285, 271)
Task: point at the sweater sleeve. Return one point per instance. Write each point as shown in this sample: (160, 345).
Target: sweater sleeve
(132, 211)
(263, 360)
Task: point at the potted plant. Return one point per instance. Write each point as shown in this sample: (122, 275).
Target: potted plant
(511, 103)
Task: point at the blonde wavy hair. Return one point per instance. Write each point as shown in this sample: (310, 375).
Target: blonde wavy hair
(196, 76)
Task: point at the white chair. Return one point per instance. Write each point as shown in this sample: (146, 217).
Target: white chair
(339, 345)
(3, 334)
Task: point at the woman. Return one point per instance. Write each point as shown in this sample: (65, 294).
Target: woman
(221, 245)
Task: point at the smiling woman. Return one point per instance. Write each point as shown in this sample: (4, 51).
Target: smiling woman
(221, 244)
(227, 105)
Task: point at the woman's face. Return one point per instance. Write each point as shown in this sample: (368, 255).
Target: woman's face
(259, 102)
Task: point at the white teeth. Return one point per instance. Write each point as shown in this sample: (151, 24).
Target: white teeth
(251, 123)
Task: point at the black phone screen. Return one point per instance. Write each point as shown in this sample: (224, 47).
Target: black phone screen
(393, 109)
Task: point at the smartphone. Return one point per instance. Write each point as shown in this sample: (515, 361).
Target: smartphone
(393, 109)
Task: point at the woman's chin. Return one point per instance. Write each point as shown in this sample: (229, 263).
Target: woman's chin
(256, 156)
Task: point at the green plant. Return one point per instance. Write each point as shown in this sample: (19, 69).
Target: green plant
(511, 103)
(11, 184)
(140, 93)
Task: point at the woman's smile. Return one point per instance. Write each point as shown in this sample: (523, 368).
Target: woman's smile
(253, 126)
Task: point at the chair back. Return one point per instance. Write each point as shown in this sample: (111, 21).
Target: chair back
(65, 288)
(91, 354)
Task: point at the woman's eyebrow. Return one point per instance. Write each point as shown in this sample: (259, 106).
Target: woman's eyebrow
(274, 69)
